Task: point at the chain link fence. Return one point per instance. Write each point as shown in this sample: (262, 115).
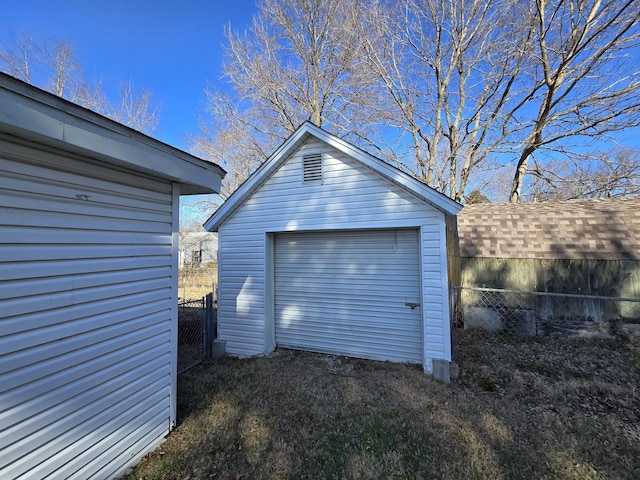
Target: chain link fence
(196, 331)
(541, 313)
(191, 316)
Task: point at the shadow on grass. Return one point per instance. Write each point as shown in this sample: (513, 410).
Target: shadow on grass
(522, 408)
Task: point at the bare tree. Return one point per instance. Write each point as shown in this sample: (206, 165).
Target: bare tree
(230, 141)
(447, 69)
(234, 145)
(453, 92)
(297, 62)
(18, 58)
(585, 83)
(52, 66)
(608, 174)
(472, 82)
(136, 109)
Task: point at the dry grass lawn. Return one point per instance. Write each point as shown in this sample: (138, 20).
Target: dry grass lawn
(522, 408)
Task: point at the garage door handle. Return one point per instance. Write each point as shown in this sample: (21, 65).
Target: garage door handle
(412, 305)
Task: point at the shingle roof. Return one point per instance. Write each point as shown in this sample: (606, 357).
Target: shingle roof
(607, 229)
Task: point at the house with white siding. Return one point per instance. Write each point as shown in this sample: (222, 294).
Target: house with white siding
(198, 249)
(88, 286)
(328, 249)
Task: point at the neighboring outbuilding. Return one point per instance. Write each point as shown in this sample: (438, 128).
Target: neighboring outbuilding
(588, 247)
(571, 246)
(328, 249)
(198, 249)
(88, 286)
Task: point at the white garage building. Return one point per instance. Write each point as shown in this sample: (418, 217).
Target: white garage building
(328, 249)
(88, 286)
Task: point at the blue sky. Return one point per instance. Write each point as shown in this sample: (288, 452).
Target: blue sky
(173, 48)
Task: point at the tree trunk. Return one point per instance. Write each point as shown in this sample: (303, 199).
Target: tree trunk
(521, 172)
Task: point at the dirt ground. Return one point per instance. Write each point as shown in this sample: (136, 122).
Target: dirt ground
(543, 408)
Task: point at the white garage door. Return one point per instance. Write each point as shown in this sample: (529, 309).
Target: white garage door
(350, 293)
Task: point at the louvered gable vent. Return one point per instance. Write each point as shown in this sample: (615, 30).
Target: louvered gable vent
(312, 167)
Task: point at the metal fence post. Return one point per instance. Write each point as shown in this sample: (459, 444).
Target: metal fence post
(208, 321)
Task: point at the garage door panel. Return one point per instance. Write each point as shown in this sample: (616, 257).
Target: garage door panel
(308, 293)
(345, 347)
(374, 350)
(347, 318)
(346, 336)
(346, 293)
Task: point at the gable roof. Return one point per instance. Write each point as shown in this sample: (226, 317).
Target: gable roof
(297, 138)
(188, 239)
(605, 228)
(33, 115)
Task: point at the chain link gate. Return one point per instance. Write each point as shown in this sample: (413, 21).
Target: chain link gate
(196, 331)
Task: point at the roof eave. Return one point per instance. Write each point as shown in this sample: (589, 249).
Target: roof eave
(36, 116)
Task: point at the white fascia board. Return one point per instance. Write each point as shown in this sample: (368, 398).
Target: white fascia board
(414, 186)
(34, 115)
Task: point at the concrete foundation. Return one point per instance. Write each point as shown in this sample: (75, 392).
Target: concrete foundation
(442, 370)
(219, 348)
(483, 318)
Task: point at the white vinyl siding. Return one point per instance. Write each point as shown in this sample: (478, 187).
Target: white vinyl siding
(349, 293)
(86, 308)
(350, 197)
(435, 293)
